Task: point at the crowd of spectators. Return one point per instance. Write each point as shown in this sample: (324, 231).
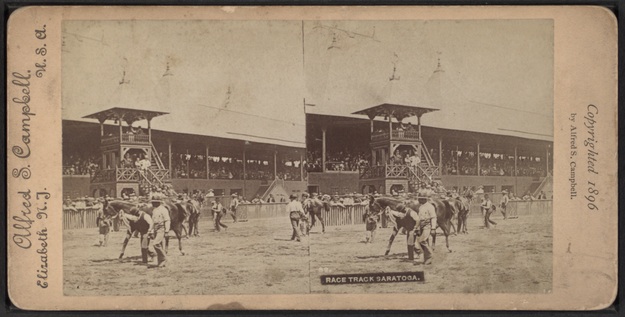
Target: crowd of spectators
(194, 166)
(346, 160)
(76, 164)
(465, 163)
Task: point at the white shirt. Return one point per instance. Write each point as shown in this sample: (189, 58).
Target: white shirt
(427, 213)
(295, 206)
(160, 216)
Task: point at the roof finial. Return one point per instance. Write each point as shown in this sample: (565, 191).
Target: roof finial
(334, 43)
(393, 77)
(167, 71)
(124, 81)
(439, 68)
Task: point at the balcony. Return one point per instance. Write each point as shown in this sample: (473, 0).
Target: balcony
(422, 172)
(131, 175)
(385, 171)
(127, 138)
(396, 135)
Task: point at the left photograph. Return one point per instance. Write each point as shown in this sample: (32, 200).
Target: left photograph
(174, 134)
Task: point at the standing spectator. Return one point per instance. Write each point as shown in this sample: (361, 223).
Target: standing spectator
(157, 231)
(218, 211)
(427, 225)
(296, 213)
(104, 224)
(371, 224)
(504, 203)
(234, 204)
(488, 208)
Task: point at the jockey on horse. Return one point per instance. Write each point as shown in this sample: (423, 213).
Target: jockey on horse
(313, 206)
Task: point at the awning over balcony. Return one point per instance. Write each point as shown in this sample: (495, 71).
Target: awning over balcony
(125, 114)
(396, 111)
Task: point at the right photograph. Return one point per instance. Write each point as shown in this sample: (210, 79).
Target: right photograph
(430, 148)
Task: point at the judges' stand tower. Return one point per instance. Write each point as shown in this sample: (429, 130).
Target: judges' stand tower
(130, 162)
(387, 170)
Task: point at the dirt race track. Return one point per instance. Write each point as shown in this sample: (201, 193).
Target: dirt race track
(257, 257)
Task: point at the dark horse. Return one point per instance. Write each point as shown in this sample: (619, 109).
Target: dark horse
(138, 224)
(193, 207)
(444, 213)
(314, 207)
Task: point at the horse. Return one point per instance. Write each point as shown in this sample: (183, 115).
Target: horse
(138, 224)
(314, 208)
(377, 205)
(444, 214)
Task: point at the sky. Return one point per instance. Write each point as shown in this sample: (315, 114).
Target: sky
(497, 75)
(248, 79)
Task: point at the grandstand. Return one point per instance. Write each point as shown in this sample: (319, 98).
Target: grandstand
(299, 130)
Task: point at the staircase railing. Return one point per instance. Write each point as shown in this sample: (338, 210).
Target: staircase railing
(426, 154)
(542, 185)
(157, 158)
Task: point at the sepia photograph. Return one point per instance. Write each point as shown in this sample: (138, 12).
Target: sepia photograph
(312, 158)
(286, 157)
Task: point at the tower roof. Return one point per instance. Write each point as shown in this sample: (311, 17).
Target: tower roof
(125, 114)
(394, 110)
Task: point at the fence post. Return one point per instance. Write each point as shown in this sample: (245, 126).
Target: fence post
(352, 213)
(84, 218)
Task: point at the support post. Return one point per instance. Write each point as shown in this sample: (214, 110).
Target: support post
(101, 129)
(515, 162)
(244, 172)
(208, 173)
(150, 131)
(479, 172)
(371, 126)
(440, 156)
(171, 171)
(120, 130)
(301, 166)
(457, 161)
(419, 125)
(275, 164)
(547, 160)
(390, 127)
(244, 164)
(323, 149)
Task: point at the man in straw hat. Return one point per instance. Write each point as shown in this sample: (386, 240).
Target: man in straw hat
(504, 203)
(488, 208)
(296, 213)
(427, 225)
(234, 204)
(159, 228)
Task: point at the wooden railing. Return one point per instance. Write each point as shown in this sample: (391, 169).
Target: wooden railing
(104, 176)
(396, 135)
(350, 215)
(127, 139)
(131, 175)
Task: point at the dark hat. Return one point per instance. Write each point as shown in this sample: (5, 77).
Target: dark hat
(293, 196)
